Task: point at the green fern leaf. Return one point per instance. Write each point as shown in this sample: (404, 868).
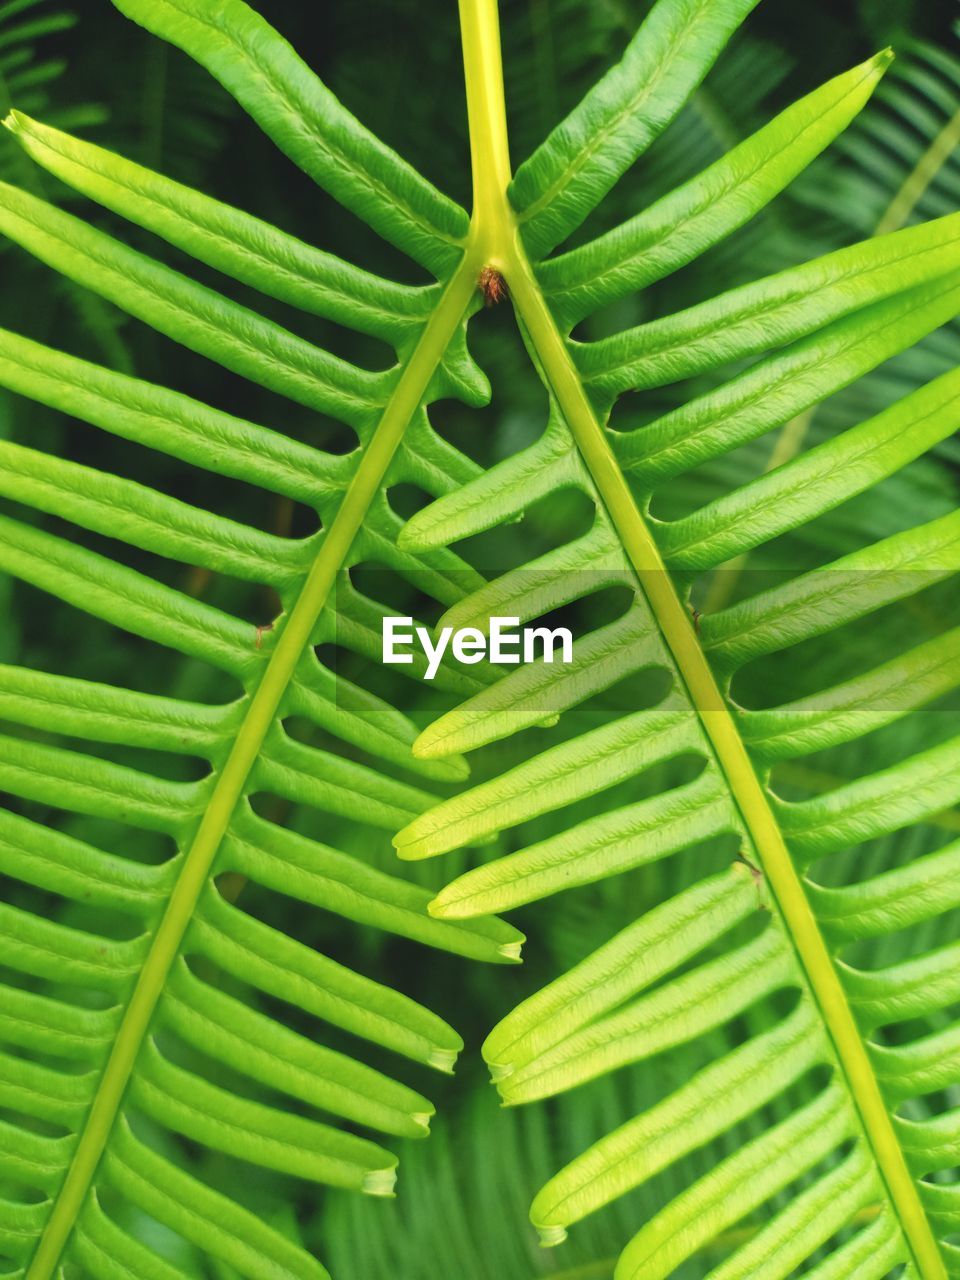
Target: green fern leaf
(819, 1148)
(167, 1027)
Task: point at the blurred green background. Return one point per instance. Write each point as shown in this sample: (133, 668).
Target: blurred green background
(463, 1195)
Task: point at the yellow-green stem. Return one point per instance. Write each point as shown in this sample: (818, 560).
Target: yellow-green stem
(496, 229)
(918, 181)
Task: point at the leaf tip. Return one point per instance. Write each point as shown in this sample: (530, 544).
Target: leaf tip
(415, 534)
(457, 767)
(379, 1182)
(408, 842)
(499, 1071)
(406, 541)
(550, 1237)
(422, 1120)
(400, 842)
(443, 1060)
(449, 905)
(437, 907)
(512, 950)
(428, 744)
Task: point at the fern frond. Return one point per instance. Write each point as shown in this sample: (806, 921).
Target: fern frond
(834, 1149)
(162, 1017)
(832, 1141)
(25, 77)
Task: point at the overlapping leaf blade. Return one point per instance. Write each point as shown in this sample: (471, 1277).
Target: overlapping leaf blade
(841, 1181)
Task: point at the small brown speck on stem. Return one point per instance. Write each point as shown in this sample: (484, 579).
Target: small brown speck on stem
(492, 286)
(756, 875)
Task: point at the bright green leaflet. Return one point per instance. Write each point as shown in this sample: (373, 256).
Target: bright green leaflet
(835, 319)
(838, 320)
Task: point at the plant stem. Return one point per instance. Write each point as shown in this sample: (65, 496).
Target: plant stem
(921, 176)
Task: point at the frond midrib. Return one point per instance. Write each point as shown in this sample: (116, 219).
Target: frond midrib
(500, 232)
(292, 640)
